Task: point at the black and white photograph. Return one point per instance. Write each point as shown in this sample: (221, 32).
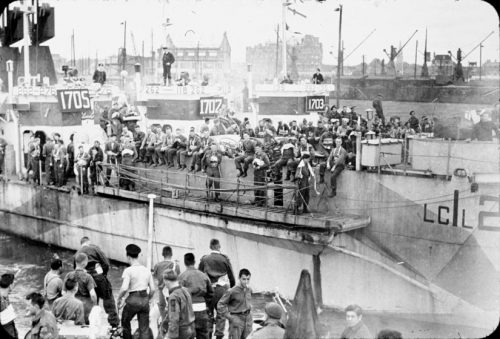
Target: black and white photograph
(261, 169)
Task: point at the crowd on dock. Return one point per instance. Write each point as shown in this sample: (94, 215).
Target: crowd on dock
(194, 303)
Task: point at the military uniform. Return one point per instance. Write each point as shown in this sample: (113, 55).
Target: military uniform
(200, 287)
(69, 308)
(248, 148)
(268, 331)
(218, 269)
(235, 305)
(48, 162)
(35, 161)
(259, 177)
(158, 270)
(85, 285)
(82, 161)
(6, 309)
(98, 267)
(180, 314)
(213, 175)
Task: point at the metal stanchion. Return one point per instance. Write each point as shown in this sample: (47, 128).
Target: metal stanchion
(149, 259)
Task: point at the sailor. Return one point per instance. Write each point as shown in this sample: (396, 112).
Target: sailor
(414, 123)
(218, 269)
(70, 158)
(137, 279)
(7, 312)
(200, 287)
(48, 161)
(138, 138)
(317, 77)
(86, 285)
(167, 60)
(272, 326)
(355, 327)
(246, 156)
(68, 307)
(377, 105)
(181, 317)
(98, 267)
(44, 323)
(303, 174)
(193, 146)
(167, 143)
(260, 165)
(158, 145)
(147, 146)
(82, 161)
(213, 175)
(236, 305)
(52, 282)
(336, 164)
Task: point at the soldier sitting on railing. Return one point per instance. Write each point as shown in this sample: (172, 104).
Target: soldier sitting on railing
(205, 143)
(138, 138)
(158, 144)
(180, 144)
(193, 144)
(288, 151)
(260, 165)
(147, 146)
(246, 156)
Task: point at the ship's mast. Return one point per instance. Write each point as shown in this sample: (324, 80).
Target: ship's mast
(283, 35)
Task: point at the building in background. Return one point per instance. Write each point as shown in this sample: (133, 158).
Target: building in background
(199, 59)
(304, 56)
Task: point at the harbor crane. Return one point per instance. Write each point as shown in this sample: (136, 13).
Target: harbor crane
(359, 45)
(394, 53)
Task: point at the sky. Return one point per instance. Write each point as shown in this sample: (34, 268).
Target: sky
(451, 24)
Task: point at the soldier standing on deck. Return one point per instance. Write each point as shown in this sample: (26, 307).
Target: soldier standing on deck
(213, 175)
(218, 268)
(98, 267)
(167, 61)
(236, 306)
(137, 279)
(200, 287)
(261, 163)
(48, 161)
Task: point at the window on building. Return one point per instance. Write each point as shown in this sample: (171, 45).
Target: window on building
(180, 53)
(190, 53)
(202, 53)
(213, 54)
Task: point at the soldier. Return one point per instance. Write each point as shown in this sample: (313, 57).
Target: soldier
(205, 145)
(213, 175)
(200, 287)
(288, 151)
(138, 138)
(96, 157)
(82, 161)
(112, 150)
(48, 161)
(158, 144)
(260, 164)
(128, 154)
(98, 267)
(60, 162)
(34, 152)
(147, 147)
(44, 324)
(303, 175)
(336, 164)
(272, 327)
(52, 282)
(86, 285)
(236, 305)
(218, 269)
(181, 317)
(167, 143)
(68, 307)
(193, 144)
(137, 279)
(324, 149)
(246, 156)
(179, 145)
(7, 312)
(159, 268)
